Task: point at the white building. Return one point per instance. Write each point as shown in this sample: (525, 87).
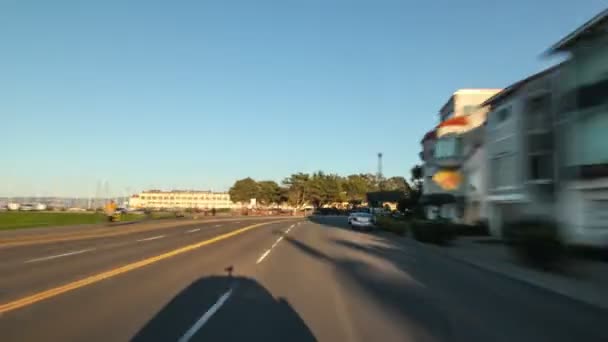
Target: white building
(547, 144)
(449, 151)
(177, 199)
(582, 124)
(520, 151)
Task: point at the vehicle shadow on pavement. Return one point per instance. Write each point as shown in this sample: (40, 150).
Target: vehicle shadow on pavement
(336, 221)
(440, 299)
(250, 313)
(411, 306)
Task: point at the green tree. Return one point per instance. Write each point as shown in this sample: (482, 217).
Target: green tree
(416, 176)
(355, 186)
(269, 192)
(244, 189)
(396, 183)
(297, 186)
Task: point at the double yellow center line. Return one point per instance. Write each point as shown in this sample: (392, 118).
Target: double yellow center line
(25, 301)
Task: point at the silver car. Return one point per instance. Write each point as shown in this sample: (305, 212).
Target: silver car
(361, 220)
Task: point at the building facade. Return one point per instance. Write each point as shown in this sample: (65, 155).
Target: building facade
(581, 124)
(547, 149)
(520, 152)
(177, 199)
(447, 148)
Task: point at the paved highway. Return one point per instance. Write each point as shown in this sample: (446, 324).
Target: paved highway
(270, 280)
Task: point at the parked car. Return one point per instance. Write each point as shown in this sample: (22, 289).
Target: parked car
(361, 221)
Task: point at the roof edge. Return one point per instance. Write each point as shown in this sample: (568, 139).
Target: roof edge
(564, 42)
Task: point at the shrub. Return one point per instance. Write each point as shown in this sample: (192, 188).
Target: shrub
(437, 232)
(535, 241)
(480, 228)
(397, 226)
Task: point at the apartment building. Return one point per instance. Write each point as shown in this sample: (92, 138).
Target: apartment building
(178, 199)
(546, 142)
(520, 151)
(446, 150)
(581, 124)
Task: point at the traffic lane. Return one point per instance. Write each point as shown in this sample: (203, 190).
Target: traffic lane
(22, 278)
(9, 239)
(308, 271)
(246, 311)
(125, 307)
(18, 254)
(455, 301)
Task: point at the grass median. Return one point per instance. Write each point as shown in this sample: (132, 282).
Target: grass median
(22, 220)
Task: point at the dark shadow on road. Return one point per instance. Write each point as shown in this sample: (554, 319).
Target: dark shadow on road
(251, 313)
(440, 299)
(330, 221)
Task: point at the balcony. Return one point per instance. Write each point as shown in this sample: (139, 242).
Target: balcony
(449, 152)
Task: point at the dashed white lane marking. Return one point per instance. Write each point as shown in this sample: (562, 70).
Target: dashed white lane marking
(151, 238)
(218, 225)
(193, 230)
(263, 256)
(199, 324)
(60, 255)
(287, 231)
(237, 222)
(276, 242)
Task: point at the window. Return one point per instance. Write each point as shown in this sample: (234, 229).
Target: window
(468, 109)
(503, 115)
(541, 167)
(447, 115)
(540, 143)
(586, 141)
(504, 170)
(538, 113)
(448, 147)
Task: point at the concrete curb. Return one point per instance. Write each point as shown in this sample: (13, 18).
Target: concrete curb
(522, 276)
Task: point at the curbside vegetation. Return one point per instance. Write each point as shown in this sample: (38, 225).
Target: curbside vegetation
(438, 232)
(397, 226)
(536, 242)
(435, 232)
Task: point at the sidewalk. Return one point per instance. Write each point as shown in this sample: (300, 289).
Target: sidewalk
(587, 281)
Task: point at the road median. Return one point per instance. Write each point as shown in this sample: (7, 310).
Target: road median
(108, 230)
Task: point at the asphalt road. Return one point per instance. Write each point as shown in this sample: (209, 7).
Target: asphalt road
(292, 280)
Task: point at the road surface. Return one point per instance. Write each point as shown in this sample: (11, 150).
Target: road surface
(270, 280)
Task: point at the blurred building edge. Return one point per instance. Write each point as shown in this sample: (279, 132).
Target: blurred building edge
(453, 148)
(581, 120)
(535, 149)
(548, 153)
(520, 151)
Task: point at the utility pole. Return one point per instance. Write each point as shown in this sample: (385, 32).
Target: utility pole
(379, 174)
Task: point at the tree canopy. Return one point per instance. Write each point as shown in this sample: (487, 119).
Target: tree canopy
(244, 189)
(318, 188)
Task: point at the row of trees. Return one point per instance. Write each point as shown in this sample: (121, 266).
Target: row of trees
(317, 189)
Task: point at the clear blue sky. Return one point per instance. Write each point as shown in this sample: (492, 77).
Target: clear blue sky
(195, 94)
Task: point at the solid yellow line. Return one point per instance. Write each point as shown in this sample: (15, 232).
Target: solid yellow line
(25, 301)
(91, 235)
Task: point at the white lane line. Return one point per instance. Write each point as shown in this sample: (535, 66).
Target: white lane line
(263, 256)
(287, 231)
(151, 238)
(193, 230)
(199, 324)
(218, 225)
(60, 255)
(237, 222)
(276, 242)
